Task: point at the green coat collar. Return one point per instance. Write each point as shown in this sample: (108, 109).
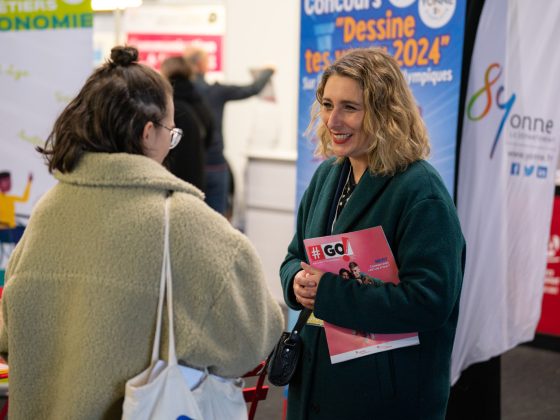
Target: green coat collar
(363, 198)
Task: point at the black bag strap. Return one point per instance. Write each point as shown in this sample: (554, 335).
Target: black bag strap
(302, 319)
(300, 323)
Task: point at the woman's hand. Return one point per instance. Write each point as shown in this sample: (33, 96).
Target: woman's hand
(305, 286)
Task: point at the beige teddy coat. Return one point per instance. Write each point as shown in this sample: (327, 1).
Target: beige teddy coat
(79, 306)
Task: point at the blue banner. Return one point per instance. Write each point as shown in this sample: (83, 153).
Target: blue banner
(426, 38)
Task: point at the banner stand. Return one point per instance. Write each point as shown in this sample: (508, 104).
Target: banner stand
(477, 393)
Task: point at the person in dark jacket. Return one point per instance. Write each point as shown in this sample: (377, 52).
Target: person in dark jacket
(369, 126)
(216, 94)
(187, 161)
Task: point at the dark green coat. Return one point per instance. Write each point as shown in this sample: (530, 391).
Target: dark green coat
(421, 225)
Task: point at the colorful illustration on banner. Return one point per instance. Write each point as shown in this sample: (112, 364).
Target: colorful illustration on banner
(487, 90)
(523, 128)
(10, 231)
(7, 201)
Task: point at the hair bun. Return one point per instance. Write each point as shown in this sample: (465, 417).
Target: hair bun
(124, 55)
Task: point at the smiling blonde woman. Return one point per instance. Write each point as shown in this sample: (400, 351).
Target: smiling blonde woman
(369, 127)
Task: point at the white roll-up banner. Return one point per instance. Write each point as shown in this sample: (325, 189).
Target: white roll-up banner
(508, 160)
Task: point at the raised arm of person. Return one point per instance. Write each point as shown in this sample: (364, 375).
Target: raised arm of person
(230, 92)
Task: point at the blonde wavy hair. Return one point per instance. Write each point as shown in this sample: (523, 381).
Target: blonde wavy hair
(391, 118)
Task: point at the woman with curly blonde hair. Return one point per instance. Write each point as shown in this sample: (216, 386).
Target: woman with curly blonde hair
(391, 118)
(369, 127)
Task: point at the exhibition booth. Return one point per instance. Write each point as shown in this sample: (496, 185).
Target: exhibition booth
(483, 89)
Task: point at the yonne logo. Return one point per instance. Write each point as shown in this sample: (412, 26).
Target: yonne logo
(486, 90)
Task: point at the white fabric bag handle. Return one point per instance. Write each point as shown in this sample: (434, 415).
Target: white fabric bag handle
(166, 285)
(160, 391)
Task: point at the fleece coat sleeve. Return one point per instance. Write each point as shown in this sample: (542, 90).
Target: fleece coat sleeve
(241, 321)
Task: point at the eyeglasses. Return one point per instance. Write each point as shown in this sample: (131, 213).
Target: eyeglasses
(176, 135)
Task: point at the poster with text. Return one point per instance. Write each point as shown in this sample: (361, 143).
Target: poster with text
(162, 31)
(45, 57)
(425, 37)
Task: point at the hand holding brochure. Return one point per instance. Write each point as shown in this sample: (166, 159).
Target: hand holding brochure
(367, 257)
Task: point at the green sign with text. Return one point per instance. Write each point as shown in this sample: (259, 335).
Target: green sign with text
(30, 15)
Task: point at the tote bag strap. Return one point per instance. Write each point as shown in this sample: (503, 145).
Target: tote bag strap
(165, 286)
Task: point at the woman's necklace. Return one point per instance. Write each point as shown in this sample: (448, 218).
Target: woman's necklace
(349, 187)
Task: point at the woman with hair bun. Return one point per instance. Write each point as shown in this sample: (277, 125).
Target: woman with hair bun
(82, 285)
(369, 128)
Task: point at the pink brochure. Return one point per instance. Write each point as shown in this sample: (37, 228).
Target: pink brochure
(366, 255)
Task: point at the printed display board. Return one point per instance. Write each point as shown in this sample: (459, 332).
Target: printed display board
(154, 48)
(425, 37)
(162, 31)
(46, 55)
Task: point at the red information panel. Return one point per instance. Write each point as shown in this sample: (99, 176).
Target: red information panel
(550, 315)
(154, 48)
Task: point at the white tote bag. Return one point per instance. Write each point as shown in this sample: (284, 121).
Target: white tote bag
(220, 398)
(163, 390)
(217, 397)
